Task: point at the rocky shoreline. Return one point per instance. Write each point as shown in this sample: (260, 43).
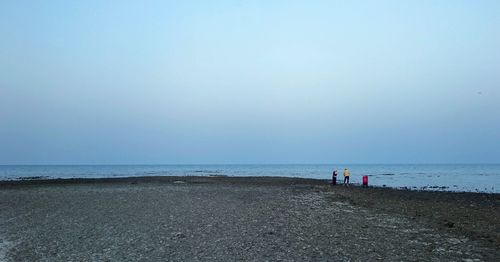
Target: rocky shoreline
(241, 218)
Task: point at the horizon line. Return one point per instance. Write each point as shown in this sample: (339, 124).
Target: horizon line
(240, 164)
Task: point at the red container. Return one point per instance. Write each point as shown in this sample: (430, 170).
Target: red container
(365, 180)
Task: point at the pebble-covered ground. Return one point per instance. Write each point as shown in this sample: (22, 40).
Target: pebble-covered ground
(229, 219)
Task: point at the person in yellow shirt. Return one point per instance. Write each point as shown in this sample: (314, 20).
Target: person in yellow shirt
(346, 176)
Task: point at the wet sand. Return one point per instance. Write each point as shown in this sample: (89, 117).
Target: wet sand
(250, 219)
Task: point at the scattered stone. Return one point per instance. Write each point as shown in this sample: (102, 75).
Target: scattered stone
(449, 224)
(180, 235)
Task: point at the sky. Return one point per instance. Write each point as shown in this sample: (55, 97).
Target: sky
(206, 82)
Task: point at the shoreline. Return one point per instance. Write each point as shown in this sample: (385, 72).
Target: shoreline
(431, 177)
(219, 178)
(261, 180)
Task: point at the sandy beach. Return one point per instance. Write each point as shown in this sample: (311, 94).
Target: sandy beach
(245, 219)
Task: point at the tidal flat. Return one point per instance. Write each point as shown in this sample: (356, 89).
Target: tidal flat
(245, 219)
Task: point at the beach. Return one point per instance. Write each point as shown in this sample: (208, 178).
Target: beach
(248, 219)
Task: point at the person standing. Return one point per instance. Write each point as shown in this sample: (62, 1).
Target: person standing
(334, 177)
(346, 176)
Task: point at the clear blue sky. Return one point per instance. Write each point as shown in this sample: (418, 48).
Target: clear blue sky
(128, 82)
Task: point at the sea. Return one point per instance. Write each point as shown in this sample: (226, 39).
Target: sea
(438, 177)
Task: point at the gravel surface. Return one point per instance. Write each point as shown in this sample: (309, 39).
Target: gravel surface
(245, 219)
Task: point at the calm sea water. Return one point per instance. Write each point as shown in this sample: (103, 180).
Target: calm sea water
(471, 178)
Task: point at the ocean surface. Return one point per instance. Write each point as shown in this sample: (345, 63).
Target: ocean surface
(467, 177)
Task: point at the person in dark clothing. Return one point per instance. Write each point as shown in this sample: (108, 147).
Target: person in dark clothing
(334, 177)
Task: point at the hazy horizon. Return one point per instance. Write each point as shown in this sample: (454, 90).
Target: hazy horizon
(262, 82)
(254, 164)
